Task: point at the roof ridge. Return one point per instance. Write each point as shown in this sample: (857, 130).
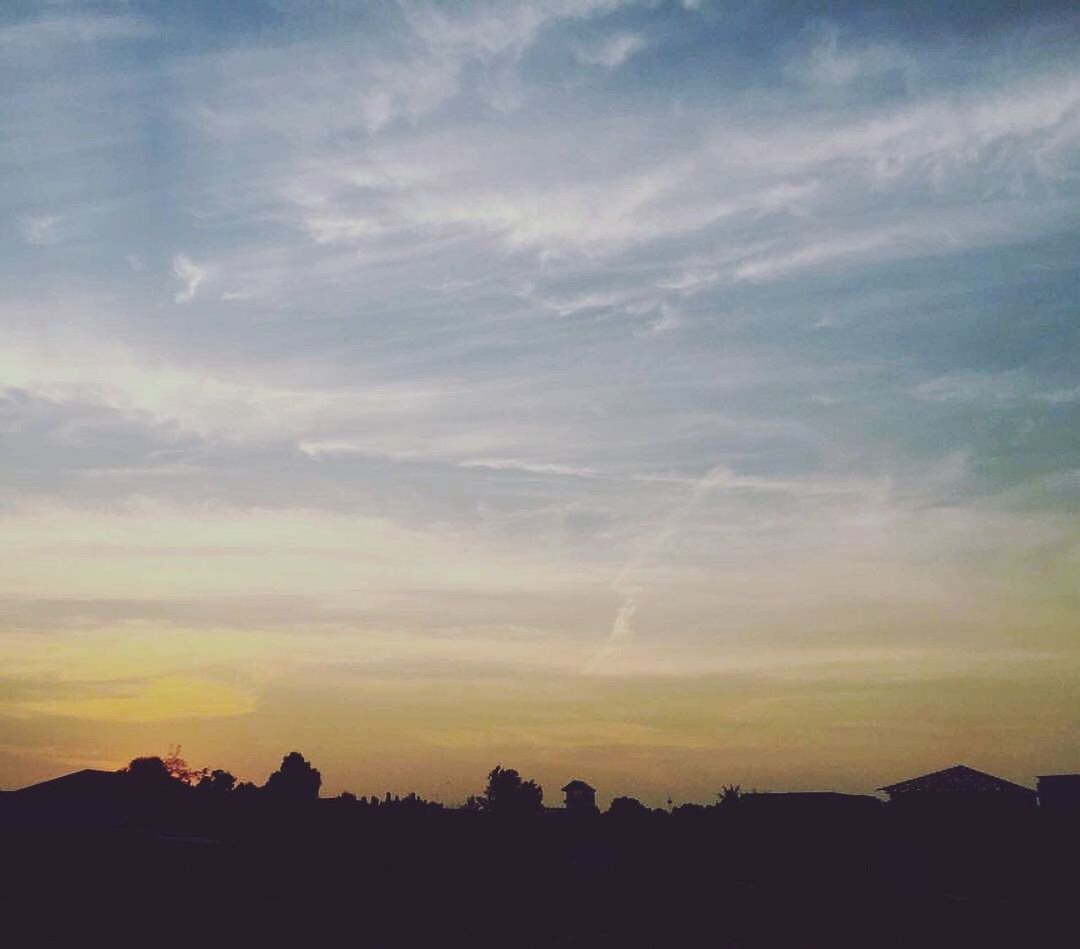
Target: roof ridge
(957, 769)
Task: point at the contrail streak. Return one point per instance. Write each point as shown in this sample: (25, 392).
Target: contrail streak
(628, 583)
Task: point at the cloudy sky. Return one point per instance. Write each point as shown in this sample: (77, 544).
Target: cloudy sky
(666, 394)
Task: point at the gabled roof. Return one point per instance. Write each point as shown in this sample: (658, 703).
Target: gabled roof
(577, 785)
(959, 779)
(88, 783)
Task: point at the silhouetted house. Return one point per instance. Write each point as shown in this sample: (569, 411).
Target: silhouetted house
(1059, 794)
(85, 785)
(807, 810)
(91, 798)
(959, 791)
(580, 798)
(825, 803)
(87, 798)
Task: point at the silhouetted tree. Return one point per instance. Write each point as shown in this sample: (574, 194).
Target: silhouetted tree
(152, 770)
(689, 810)
(624, 808)
(217, 783)
(295, 780)
(413, 803)
(247, 790)
(150, 780)
(148, 773)
(179, 769)
(729, 795)
(507, 795)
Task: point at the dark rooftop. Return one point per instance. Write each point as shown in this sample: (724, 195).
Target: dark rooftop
(577, 785)
(959, 779)
(88, 783)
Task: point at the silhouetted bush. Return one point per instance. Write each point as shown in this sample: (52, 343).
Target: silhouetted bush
(627, 808)
(296, 780)
(148, 772)
(216, 784)
(507, 795)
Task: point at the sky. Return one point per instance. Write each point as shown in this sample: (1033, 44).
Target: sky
(664, 394)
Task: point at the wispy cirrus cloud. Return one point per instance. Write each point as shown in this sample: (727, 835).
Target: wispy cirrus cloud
(990, 388)
(611, 51)
(72, 28)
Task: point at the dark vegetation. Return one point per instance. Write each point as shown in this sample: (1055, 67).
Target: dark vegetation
(163, 855)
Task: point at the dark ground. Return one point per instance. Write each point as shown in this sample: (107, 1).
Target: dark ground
(337, 874)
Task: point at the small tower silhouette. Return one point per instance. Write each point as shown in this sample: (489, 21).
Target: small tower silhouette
(580, 798)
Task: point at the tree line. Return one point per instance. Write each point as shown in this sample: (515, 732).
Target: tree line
(297, 781)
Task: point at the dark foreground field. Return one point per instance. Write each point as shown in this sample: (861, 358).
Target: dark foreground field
(334, 874)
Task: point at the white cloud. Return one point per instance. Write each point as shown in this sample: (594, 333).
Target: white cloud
(70, 29)
(770, 267)
(41, 229)
(1001, 388)
(531, 467)
(488, 30)
(611, 51)
(829, 63)
(322, 88)
(667, 320)
(190, 274)
(585, 302)
(472, 183)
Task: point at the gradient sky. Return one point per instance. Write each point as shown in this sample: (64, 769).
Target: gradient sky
(663, 394)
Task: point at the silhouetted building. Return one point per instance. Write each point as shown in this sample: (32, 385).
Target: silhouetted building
(82, 798)
(1059, 794)
(88, 784)
(808, 805)
(580, 798)
(958, 791)
(90, 798)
